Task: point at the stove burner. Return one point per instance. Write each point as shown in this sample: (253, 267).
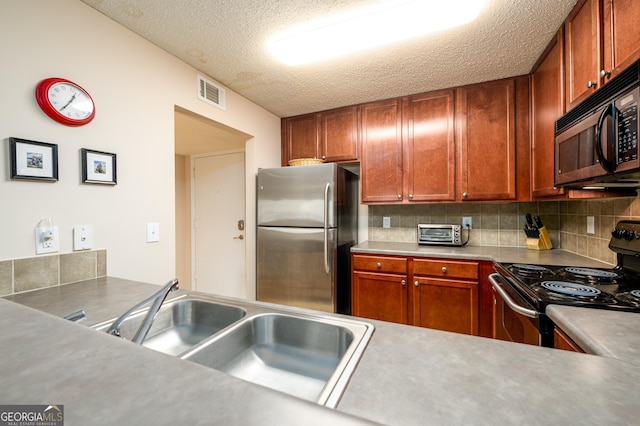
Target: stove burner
(530, 270)
(596, 274)
(635, 293)
(570, 289)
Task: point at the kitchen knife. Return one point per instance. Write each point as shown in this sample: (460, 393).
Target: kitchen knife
(538, 221)
(529, 220)
(535, 231)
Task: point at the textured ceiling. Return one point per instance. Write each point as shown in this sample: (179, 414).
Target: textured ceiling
(226, 40)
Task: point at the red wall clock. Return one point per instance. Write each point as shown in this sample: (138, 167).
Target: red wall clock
(65, 101)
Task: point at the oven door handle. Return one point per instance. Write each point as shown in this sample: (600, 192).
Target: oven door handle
(494, 279)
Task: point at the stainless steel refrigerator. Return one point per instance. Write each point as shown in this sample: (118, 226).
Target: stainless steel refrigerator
(307, 223)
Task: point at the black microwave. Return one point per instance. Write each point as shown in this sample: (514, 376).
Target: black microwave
(596, 143)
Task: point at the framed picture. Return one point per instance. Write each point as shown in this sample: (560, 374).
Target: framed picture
(33, 160)
(98, 167)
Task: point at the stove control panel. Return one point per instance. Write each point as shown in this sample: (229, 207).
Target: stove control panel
(625, 237)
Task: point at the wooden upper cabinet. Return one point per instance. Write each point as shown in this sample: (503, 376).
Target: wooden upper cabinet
(582, 56)
(300, 137)
(381, 156)
(602, 37)
(429, 147)
(621, 35)
(330, 135)
(486, 126)
(339, 134)
(547, 106)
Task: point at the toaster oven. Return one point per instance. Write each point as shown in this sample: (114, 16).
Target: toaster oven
(433, 234)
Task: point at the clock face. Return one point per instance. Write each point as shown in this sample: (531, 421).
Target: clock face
(65, 101)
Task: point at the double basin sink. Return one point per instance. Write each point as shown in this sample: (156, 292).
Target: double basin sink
(310, 356)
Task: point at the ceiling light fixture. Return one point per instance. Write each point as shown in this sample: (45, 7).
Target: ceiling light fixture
(380, 25)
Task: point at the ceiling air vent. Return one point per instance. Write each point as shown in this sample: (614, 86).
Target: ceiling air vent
(210, 92)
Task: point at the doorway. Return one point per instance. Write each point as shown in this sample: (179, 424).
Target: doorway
(218, 223)
(195, 135)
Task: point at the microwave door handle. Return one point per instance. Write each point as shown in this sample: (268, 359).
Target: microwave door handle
(608, 165)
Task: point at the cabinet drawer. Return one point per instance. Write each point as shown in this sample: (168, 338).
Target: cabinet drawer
(446, 268)
(380, 264)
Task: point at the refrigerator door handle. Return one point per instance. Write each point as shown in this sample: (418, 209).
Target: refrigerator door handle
(326, 223)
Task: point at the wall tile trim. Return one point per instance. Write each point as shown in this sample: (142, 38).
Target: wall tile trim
(34, 273)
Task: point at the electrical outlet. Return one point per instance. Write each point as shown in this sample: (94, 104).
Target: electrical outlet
(386, 222)
(47, 240)
(466, 222)
(591, 225)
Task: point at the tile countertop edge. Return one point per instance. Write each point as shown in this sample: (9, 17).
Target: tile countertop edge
(600, 332)
(483, 253)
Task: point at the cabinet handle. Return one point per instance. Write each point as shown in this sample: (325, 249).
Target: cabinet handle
(605, 73)
(465, 194)
(416, 283)
(403, 282)
(379, 265)
(591, 84)
(444, 269)
(411, 196)
(324, 158)
(399, 196)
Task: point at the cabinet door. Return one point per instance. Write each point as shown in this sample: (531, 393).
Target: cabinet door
(430, 148)
(547, 106)
(301, 137)
(621, 35)
(582, 55)
(379, 296)
(487, 136)
(339, 134)
(381, 159)
(448, 305)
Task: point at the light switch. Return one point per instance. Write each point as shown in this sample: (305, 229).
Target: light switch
(153, 232)
(386, 222)
(82, 237)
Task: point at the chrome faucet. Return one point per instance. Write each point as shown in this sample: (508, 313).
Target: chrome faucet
(158, 299)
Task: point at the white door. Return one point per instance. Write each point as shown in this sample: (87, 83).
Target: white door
(218, 214)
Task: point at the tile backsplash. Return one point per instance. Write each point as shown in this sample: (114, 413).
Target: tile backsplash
(501, 224)
(20, 275)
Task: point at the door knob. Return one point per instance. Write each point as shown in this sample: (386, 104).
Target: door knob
(239, 237)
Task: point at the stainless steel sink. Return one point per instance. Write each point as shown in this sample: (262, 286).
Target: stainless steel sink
(305, 356)
(299, 352)
(180, 324)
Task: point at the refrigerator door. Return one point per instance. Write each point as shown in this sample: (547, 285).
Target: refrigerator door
(296, 267)
(298, 196)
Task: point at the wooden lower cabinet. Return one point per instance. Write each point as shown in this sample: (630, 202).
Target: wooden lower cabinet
(379, 296)
(564, 342)
(379, 288)
(435, 293)
(448, 305)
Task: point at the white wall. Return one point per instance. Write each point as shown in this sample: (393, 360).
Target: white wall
(136, 87)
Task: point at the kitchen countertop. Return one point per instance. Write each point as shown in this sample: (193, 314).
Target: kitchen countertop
(601, 332)
(486, 253)
(407, 375)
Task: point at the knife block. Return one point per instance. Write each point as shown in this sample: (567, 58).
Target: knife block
(543, 242)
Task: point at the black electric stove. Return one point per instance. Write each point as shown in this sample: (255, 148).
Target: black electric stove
(526, 290)
(616, 288)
